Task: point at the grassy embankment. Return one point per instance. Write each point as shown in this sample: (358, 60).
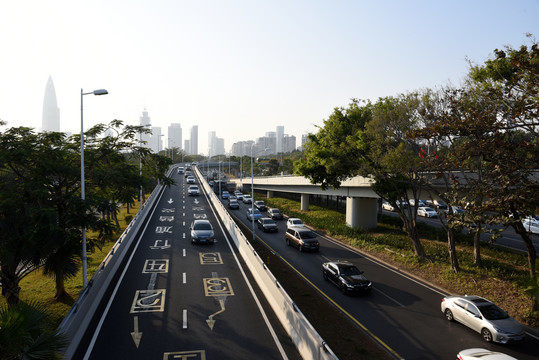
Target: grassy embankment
(40, 288)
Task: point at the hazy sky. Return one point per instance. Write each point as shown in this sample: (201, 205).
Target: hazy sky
(239, 68)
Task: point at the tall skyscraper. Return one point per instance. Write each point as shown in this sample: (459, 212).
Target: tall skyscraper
(279, 140)
(212, 139)
(175, 136)
(156, 141)
(194, 140)
(51, 112)
(145, 120)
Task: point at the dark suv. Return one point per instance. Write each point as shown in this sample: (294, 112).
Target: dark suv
(302, 238)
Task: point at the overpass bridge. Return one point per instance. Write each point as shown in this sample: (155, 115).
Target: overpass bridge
(361, 200)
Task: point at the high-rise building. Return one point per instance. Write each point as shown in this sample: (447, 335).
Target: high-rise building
(220, 146)
(212, 138)
(289, 143)
(279, 139)
(194, 140)
(51, 112)
(175, 136)
(242, 148)
(144, 121)
(187, 146)
(156, 141)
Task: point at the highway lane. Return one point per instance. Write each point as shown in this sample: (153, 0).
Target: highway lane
(401, 312)
(509, 238)
(180, 300)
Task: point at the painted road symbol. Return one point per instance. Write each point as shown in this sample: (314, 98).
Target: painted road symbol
(200, 216)
(185, 355)
(156, 245)
(155, 266)
(163, 229)
(166, 218)
(217, 287)
(168, 210)
(148, 301)
(212, 258)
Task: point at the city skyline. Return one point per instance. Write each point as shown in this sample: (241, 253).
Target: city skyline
(240, 68)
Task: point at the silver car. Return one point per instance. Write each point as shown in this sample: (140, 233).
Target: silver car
(202, 232)
(483, 316)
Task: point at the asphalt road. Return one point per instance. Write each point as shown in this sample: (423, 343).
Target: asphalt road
(509, 238)
(178, 300)
(402, 313)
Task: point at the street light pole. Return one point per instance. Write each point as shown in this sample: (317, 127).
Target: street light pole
(140, 164)
(253, 193)
(82, 187)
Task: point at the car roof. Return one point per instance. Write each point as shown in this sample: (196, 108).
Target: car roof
(301, 229)
(198, 221)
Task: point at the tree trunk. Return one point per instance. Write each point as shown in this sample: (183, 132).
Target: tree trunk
(532, 255)
(411, 229)
(477, 247)
(11, 290)
(452, 250)
(60, 288)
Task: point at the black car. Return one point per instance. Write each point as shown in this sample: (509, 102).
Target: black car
(267, 224)
(260, 206)
(275, 214)
(346, 276)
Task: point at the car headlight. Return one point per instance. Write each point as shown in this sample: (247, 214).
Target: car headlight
(502, 331)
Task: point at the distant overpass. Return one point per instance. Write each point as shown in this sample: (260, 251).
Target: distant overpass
(361, 200)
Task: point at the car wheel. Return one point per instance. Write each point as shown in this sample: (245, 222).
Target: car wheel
(325, 275)
(300, 248)
(344, 290)
(486, 335)
(449, 315)
(287, 241)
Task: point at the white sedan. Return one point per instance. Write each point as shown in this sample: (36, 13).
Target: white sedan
(387, 206)
(426, 212)
(531, 225)
(482, 354)
(294, 222)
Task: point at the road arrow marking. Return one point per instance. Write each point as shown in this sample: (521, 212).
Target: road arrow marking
(170, 201)
(136, 335)
(210, 320)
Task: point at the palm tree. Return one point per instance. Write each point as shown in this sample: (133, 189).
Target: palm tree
(25, 333)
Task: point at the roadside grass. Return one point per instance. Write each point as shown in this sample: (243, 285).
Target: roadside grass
(502, 277)
(40, 288)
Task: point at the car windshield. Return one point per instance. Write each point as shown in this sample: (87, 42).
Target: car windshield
(428, 209)
(202, 226)
(307, 235)
(297, 222)
(268, 221)
(492, 312)
(349, 270)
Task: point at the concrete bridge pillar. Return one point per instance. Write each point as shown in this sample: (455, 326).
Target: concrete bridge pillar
(269, 194)
(361, 212)
(304, 202)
